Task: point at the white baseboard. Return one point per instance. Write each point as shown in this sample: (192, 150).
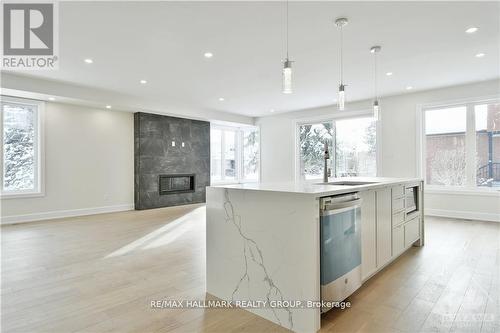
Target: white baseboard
(456, 214)
(64, 213)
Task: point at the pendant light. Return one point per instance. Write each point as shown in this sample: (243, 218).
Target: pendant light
(376, 107)
(340, 23)
(287, 64)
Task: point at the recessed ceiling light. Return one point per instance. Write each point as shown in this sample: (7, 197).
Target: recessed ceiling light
(272, 110)
(471, 30)
(89, 61)
(52, 99)
(388, 73)
(143, 81)
(208, 54)
(409, 88)
(108, 106)
(221, 99)
(480, 55)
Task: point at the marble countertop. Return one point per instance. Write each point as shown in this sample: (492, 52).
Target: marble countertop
(318, 189)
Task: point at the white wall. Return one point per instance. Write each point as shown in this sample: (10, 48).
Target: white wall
(89, 165)
(398, 139)
(476, 207)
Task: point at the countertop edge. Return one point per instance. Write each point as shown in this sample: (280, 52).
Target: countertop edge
(335, 190)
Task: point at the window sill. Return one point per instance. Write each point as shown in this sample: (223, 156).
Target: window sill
(21, 195)
(463, 191)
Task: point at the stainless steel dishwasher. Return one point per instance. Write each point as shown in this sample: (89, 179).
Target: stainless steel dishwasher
(340, 230)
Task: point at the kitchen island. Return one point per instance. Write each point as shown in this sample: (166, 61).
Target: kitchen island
(263, 240)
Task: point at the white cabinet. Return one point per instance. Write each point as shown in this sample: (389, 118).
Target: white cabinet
(412, 231)
(368, 234)
(398, 218)
(398, 205)
(398, 191)
(398, 239)
(384, 226)
(385, 231)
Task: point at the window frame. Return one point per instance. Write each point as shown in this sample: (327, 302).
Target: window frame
(39, 155)
(470, 187)
(239, 155)
(364, 113)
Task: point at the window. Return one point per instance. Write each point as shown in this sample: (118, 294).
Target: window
(354, 140)
(356, 147)
(229, 153)
(487, 133)
(462, 145)
(251, 156)
(21, 146)
(445, 146)
(312, 141)
(215, 155)
(234, 154)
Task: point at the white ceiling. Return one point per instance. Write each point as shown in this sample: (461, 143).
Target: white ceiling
(423, 44)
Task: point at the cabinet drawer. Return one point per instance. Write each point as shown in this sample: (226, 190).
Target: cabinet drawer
(398, 191)
(398, 218)
(412, 231)
(398, 205)
(398, 240)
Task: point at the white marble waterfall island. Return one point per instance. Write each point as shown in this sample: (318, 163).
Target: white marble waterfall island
(263, 241)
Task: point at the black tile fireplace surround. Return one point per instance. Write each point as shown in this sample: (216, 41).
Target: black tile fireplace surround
(171, 160)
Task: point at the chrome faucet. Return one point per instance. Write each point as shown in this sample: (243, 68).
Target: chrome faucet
(326, 171)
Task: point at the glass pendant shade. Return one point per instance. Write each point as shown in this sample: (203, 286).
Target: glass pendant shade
(376, 110)
(287, 77)
(341, 97)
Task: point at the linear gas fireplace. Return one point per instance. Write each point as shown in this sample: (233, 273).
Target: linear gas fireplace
(172, 184)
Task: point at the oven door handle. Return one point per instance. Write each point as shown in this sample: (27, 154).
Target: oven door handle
(341, 205)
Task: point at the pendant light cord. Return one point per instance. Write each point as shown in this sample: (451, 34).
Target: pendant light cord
(375, 76)
(341, 56)
(286, 29)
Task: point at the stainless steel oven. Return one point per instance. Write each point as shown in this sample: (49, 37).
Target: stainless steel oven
(340, 229)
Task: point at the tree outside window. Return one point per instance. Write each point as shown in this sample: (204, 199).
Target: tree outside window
(462, 145)
(20, 146)
(351, 143)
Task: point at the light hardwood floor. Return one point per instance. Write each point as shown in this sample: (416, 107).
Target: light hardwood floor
(99, 274)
